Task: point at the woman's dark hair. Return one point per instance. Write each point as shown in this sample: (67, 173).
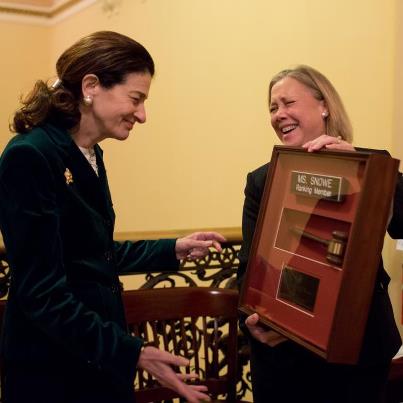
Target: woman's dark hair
(109, 55)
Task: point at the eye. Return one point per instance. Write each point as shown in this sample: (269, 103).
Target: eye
(273, 108)
(289, 102)
(135, 100)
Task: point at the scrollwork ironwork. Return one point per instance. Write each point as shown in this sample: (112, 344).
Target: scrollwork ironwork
(217, 269)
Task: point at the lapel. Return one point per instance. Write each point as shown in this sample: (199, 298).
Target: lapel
(88, 186)
(103, 181)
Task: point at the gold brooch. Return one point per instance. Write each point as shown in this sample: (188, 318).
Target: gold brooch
(68, 175)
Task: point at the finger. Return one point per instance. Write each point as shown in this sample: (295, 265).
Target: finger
(313, 143)
(198, 253)
(187, 377)
(190, 394)
(216, 236)
(209, 235)
(312, 147)
(197, 397)
(274, 338)
(217, 246)
(321, 142)
(261, 334)
(200, 244)
(316, 145)
(252, 320)
(200, 388)
(191, 377)
(343, 145)
(171, 359)
(307, 144)
(334, 146)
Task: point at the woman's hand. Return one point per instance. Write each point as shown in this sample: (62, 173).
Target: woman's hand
(329, 143)
(264, 335)
(159, 364)
(196, 245)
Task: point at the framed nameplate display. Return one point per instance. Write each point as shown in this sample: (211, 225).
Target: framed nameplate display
(317, 244)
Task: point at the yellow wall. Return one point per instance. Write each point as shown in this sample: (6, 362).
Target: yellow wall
(24, 51)
(208, 121)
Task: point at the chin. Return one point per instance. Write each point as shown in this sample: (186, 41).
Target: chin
(122, 136)
(292, 141)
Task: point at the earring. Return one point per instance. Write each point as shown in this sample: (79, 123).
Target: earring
(325, 114)
(87, 100)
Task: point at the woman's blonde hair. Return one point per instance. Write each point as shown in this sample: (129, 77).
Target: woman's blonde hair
(337, 121)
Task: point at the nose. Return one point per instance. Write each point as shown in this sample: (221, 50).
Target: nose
(279, 113)
(140, 113)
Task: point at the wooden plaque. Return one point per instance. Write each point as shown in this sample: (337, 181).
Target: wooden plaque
(316, 248)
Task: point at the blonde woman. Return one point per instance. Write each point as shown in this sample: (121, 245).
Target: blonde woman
(306, 111)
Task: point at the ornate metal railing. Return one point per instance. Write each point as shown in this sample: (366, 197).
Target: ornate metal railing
(215, 270)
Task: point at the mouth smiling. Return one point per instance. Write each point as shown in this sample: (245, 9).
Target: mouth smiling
(289, 128)
(129, 123)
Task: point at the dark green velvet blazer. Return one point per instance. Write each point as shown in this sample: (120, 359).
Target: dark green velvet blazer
(57, 222)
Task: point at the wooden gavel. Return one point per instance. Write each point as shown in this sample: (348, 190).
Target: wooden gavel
(335, 246)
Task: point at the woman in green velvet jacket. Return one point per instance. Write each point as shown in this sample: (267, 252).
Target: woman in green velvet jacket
(65, 337)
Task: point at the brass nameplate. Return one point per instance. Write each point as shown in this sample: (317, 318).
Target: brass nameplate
(298, 288)
(317, 186)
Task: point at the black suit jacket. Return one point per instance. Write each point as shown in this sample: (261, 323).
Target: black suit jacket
(382, 339)
(56, 216)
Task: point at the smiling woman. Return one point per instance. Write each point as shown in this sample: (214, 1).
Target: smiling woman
(306, 111)
(296, 115)
(303, 98)
(65, 337)
(111, 112)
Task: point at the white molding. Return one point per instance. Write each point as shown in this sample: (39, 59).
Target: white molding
(24, 7)
(71, 10)
(40, 15)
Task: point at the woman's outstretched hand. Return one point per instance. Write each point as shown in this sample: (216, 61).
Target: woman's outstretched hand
(196, 245)
(328, 143)
(159, 364)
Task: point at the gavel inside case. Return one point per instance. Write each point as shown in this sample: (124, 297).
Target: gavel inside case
(315, 253)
